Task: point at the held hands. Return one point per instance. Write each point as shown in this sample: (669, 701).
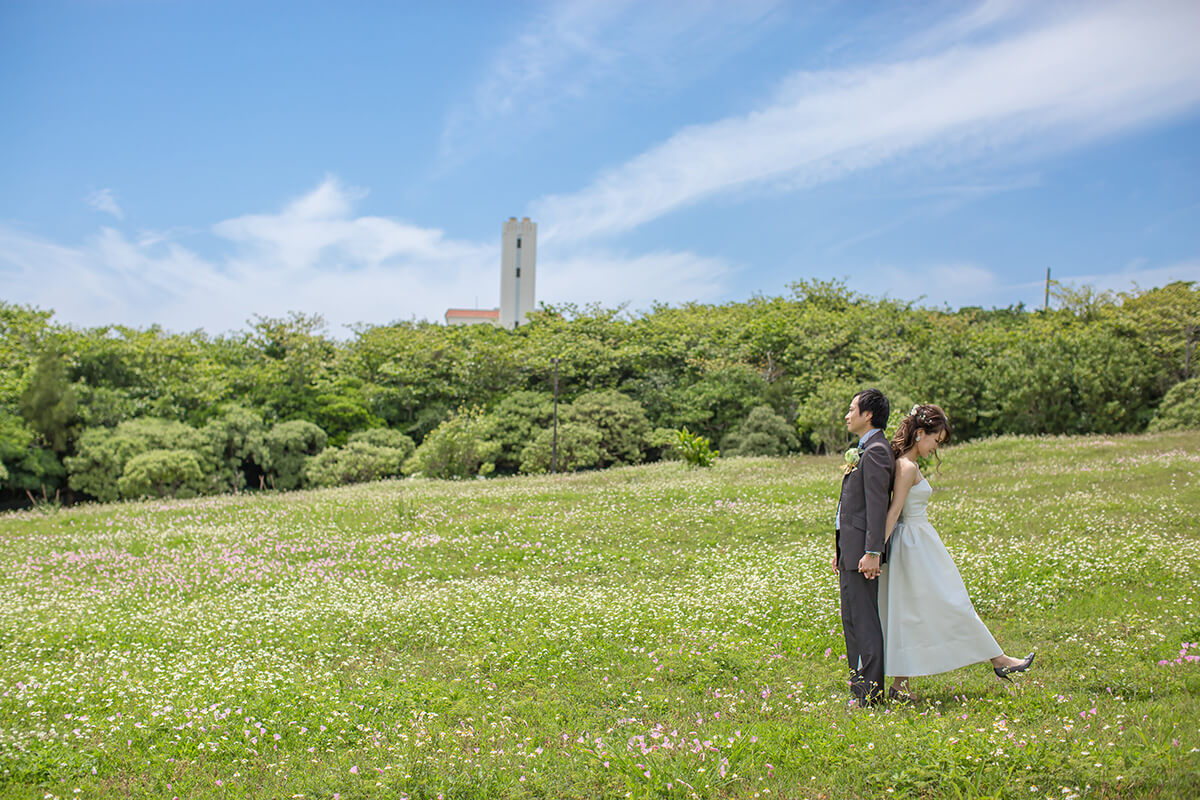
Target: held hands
(868, 565)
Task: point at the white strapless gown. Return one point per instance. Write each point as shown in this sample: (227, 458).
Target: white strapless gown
(929, 624)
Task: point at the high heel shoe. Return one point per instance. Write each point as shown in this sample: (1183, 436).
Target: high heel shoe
(1004, 672)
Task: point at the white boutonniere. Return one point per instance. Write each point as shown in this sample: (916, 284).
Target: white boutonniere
(852, 457)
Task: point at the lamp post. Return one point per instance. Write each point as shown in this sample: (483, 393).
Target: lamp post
(554, 441)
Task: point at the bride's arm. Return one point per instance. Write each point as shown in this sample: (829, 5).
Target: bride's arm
(906, 477)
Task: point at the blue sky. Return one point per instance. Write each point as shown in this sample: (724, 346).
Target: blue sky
(191, 164)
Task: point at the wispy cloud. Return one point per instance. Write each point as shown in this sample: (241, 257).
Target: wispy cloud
(316, 255)
(1104, 69)
(104, 200)
(613, 279)
(958, 284)
(571, 49)
(1136, 275)
(986, 18)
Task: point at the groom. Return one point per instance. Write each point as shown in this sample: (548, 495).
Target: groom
(861, 515)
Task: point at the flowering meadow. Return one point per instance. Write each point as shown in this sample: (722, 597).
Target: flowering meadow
(646, 631)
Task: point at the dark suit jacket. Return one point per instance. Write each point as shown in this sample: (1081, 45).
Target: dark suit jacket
(866, 494)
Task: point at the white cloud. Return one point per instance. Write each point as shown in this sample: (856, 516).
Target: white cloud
(611, 279)
(1136, 275)
(954, 284)
(1108, 68)
(968, 284)
(104, 200)
(574, 48)
(986, 17)
(315, 255)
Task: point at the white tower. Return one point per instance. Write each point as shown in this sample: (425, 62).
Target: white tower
(518, 270)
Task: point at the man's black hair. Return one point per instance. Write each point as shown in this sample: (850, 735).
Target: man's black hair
(873, 402)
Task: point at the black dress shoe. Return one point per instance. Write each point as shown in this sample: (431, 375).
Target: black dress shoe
(1004, 672)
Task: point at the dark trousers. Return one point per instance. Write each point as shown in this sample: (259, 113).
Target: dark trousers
(864, 635)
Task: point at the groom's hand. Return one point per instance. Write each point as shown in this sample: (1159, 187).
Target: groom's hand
(833, 564)
(868, 565)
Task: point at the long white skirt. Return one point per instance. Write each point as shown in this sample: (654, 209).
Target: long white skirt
(929, 624)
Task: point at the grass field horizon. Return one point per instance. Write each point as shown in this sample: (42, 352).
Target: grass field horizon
(647, 631)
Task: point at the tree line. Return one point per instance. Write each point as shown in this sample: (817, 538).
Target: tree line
(115, 412)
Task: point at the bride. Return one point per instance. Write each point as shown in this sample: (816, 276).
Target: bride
(929, 624)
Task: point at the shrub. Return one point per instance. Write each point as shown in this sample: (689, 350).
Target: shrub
(621, 421)
(515, 422)
(162, 473)
(357, 462)
(821, 417)
(762, 433)
(103, 453)
(235, 441)
(1180, 409)
(386, 437)
(713, 402)
(338, 417)
(695, 449)
(578, 448)
(457, 448)
(289, 446)
(25, 465)
(660, 445)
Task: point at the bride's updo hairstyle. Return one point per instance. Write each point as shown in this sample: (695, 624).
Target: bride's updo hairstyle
(924, 418)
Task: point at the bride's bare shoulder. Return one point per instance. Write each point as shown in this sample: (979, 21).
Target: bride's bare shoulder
(907, 471)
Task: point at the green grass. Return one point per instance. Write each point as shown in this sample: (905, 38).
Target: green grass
(643, 632)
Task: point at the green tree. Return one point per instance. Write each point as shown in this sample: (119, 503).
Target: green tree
(103, 453)
(235, 443)
(102, 406)
(385, 437)
(661, 445)
(579, 447)
(515, 422)
(293, 359)
(821, 416)
(340, 417)
(458, 448)
(24, 330)
(27, 466)
(621, 421)
(162, 473)
(289, 446)
(762, 433)
(1180, 409)
(357, 462)
(48, 403)
(716, 401)
(1168, 320)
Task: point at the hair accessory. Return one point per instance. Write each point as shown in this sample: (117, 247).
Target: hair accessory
(920, 415)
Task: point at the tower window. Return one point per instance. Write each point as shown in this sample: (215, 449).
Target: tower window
(518, 272)
(518, 242)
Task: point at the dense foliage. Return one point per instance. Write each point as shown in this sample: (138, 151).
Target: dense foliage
(259, 405)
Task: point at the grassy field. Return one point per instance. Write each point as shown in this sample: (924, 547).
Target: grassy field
(643, 632)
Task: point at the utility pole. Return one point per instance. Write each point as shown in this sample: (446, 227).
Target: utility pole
(1046, 306)
(554, 444)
